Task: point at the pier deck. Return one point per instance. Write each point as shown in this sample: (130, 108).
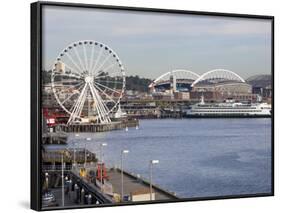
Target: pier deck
(133, 183)
(84, 127)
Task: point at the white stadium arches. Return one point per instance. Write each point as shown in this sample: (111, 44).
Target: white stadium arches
(215, 84)
(219, 75)
(176, 74)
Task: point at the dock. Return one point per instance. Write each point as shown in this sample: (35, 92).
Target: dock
(85, 127)
(133, 183)
(77, 188)
(78, 170)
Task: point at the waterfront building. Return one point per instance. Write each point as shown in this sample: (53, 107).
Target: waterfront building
(60, 67)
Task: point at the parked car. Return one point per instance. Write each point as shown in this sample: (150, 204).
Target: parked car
(48, 199)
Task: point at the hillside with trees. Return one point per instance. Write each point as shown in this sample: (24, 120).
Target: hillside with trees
(259, 80)
(135, 83)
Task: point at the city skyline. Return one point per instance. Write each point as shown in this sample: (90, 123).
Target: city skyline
(150, 44)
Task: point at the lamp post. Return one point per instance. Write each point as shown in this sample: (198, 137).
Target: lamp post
(74, 150)
(62, 179)
(101, 164)
(85, 154)
(122, 181)
(150, 165)
(47, 180)
(74, 154)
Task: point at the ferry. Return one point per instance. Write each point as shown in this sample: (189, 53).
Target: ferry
(229, 108)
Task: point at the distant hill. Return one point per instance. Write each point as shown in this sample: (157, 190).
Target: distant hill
(259, 80)
(135, 83)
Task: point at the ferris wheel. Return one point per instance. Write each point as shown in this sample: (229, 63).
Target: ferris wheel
(88, 81)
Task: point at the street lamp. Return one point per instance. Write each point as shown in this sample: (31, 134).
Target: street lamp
(122, 181)
(85, 156)
(101, 164)
(74, 149)
(74, 154)
(47, 180)
(150, 165)
(62, 178)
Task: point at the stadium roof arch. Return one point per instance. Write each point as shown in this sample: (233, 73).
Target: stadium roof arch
(178, 74)
(219, 74)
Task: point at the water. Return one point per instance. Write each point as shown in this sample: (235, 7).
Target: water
(198, 157)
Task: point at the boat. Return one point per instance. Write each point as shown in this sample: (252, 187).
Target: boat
(119, 113)
(229, 108)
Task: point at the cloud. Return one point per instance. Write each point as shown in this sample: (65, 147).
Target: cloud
(160, 40)
(223, 28)
(130, 23)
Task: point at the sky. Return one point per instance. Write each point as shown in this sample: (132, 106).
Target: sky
(150, 44)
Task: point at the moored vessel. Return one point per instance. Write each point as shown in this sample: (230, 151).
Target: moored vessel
(229, 108)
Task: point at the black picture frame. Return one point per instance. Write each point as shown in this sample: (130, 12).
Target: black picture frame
(36, 67)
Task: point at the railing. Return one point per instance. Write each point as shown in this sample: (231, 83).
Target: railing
(55, 156)
(56, 167)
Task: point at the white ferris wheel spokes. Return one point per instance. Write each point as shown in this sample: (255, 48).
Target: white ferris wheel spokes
(88, 81)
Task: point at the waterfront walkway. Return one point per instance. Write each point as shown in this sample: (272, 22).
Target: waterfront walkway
(133, 184)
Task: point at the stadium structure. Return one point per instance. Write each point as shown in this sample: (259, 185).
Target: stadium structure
(214, 85)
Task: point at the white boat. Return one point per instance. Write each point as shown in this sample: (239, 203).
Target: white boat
(120, 113)
(230, 108)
